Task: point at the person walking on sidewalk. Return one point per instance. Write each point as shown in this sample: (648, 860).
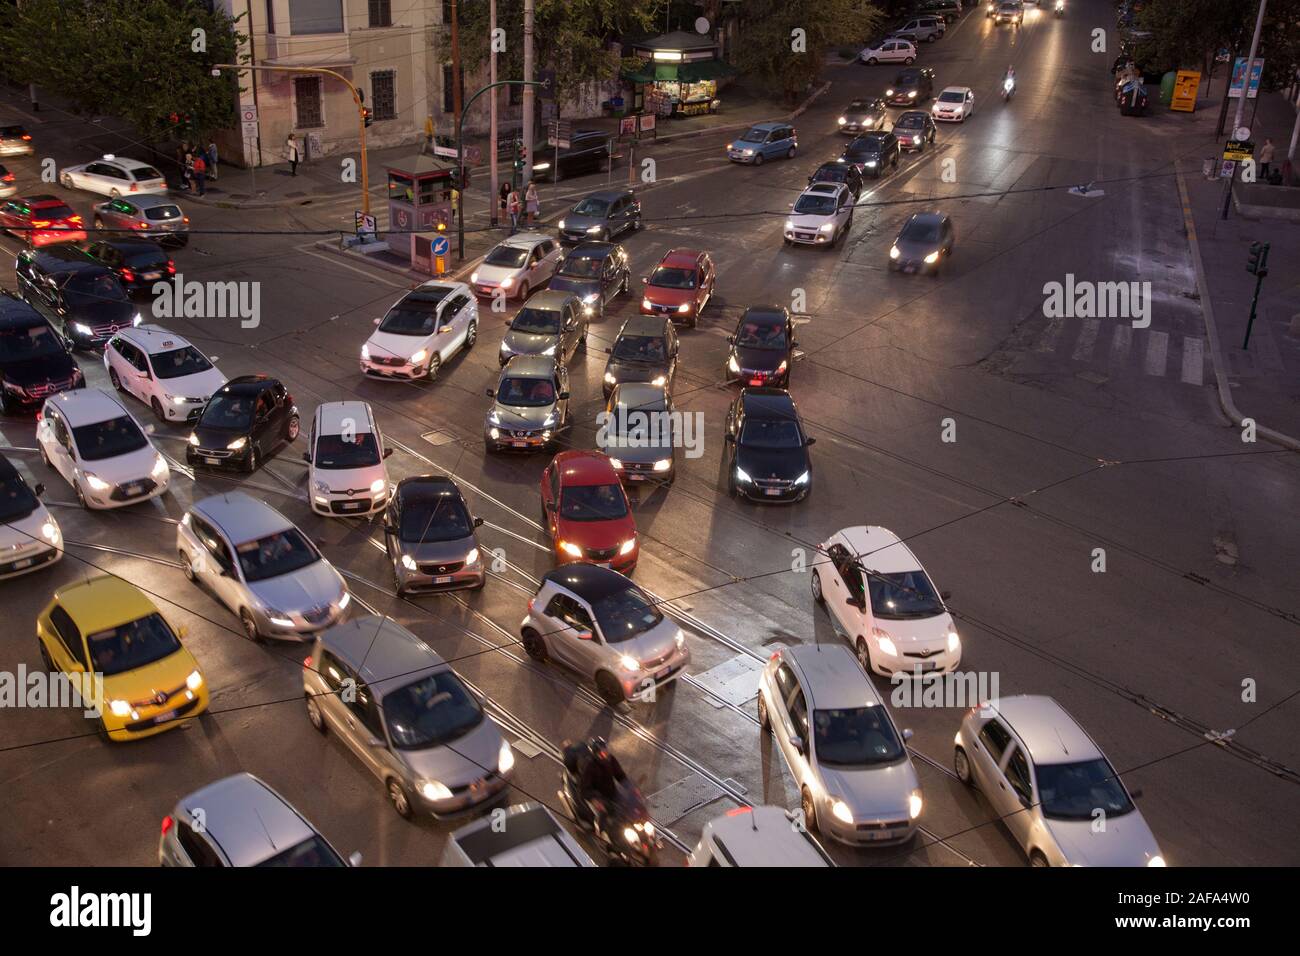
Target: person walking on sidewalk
(200, 173)
(189, 171)
(503, 201)
(1265, 159)
(212, 160)
(532, 203)
(292, 154)
(515, 207)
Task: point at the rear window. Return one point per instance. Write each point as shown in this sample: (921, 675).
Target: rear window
(58, 211)
(145, 172)
(312, 851)
(162, 213)
(147, 259)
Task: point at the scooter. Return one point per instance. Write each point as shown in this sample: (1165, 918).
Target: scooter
(628, 835)
(1060, 8)
(1008, 88)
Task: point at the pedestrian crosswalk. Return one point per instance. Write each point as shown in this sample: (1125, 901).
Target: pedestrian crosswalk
(1120, 348)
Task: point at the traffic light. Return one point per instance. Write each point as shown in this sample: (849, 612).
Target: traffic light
(453, 179)
(520, 154)
(1257, 264)
(367, 115)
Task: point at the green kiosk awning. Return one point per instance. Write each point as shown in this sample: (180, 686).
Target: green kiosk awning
(704, 70)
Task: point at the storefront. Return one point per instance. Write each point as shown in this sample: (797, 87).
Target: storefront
(680, 75)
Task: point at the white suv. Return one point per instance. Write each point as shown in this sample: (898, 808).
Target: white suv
(423, 329)
(757, 836)
(821, 215)
(163, 370)
(345, 461)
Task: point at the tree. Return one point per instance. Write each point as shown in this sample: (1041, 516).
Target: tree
(790, 61)
(1187, 33)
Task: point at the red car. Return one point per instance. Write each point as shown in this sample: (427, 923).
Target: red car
(41, 220)
(680, 286)
(586, 512)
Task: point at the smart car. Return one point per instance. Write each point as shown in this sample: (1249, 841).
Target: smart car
(245, 421)
(430, 537)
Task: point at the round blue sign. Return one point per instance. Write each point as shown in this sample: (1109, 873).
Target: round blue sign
(441, 245)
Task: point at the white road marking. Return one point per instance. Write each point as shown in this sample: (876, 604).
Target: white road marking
(1047, 341)
(1157, 352)
(1087, 339)
(1120, 344)
(334, 260)
(1193, 361)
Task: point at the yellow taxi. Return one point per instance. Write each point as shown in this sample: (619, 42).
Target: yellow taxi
(110, 630)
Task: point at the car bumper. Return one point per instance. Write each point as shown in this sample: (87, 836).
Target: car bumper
(754, 378)
(121, 495)
(216, 458)
(887, 665)
(301, 629)
(738, 157)
(912, 265)
(622, 563)
(402, 370)
(47, 237)
(472, 576)
(864, 833)
(503, 440)
(29, 403)
(157, 720)
(669, 310)
(908, 146)
(663, 673)
(462, 798)
(807, 238)
(580, 235)
(30, 561)
(641, 473)
(342, 506)
(188, 412)
(947, 117)
(789, 495)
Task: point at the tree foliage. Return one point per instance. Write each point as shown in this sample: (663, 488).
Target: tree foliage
(1188, 33)
(769, 43)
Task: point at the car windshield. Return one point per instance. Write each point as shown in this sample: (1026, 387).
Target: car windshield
(16, 500)
(756, 134)
(861, 106)
(761, 335)
(640, 348)
(907, 79)
(834, 174)
(117, 436)
(34, 341)
(903, 595)
(536, 322)
(432, 712)
(337, 451)
(910, 121)
(582, 267)
(592, 207)
(410, 317)
(650, 422)
(313, 851)
(863, 147)
(228, 411)
(624, 615)
(920, 230)
(593, 503)
(186, 360)
(82, 289)
(441, 517)
(526, 392)
(162, 213)
(510, 257)
(281, 553)
(770, 433)
(128, 646)
(855, 737)
(667, 277)
(951, 96)
(1074, 791)
(815, 204)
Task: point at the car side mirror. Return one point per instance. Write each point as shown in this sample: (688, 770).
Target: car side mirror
(378, 319)
(790, 204)
(798, 744)
(907, 733)
(39, 489)
(306, 456)
(1135, 793)
(810, 441)
(731, 340)
(182, 631)
(388, 452)
(354, 859)
(478, 522)
(490, 392)
(150, 428)
(609, 351)
(645, 280)
(564, 396)
(730, 438)
(945, 595)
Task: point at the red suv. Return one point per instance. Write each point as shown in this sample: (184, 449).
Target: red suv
(586, 512)
(680, 286)
(41, 220)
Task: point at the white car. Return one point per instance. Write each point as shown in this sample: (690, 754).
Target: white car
(954, 104)
(423, 329)
(822, 213)
(114, 176)
(889, 50)
(1051, 785)
(855, 776)
(89, 438)
(163, 370)
(29, 536)
(522, 263)
(757, 836)
(345, 460)
(885, 604)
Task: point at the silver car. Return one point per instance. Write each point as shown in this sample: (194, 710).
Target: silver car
(527, 834)
(407, 717)
(240, 821)
(148, 215)
(1050, 784)
(638, 432)
(430, 537)
(597, 622)
(550, 323)
(531, 405)
(856, 781)
(257, 563)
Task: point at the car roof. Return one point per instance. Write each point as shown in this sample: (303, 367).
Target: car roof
(15, 313)
(247, 819)
(130, 245)
(824, 188)
(529, 835)
(153, 338)
(831, 676)
(44, 199)
(768, 124)
(924, 114)
(385, 655)
(66, 258)
(550, 300)
(246, 385)
(104, 601)
(530, 366)
(925, 218)
(866, 100)
(582, 467)
(331, 416)
(525, 239)
(765, 313)
(763, 836)
(643, 395)
(609, 195)
(681, 258)
(1050, 733)
(144, 200)
(650, 325)
(241, 517)
(588, 581)
(84, 406)
(872, 139)
(427, 486)
(768, 403)
(881, 549)
(592, 250)
(954, 89)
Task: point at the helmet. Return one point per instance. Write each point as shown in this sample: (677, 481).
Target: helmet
(599, 746)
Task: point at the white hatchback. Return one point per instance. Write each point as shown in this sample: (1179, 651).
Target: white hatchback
(422, 330)
(954, 104)
(889, 50)
(98, 447)
(519, 265)
(345, 464)
(114, 176)
(163, 370)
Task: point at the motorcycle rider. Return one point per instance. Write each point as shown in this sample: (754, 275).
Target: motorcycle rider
(1009, 82)
(598, 776)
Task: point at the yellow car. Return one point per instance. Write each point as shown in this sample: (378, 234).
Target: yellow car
(108, 628)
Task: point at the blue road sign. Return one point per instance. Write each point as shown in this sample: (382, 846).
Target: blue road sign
(441, 246)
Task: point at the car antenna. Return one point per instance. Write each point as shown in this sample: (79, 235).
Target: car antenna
(269, 839)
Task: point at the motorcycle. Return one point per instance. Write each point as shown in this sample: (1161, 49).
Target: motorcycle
(627, 834)
(1060, 8)
(1008, 88)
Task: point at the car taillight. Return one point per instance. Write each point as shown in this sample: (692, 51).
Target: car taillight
(9, 177)
(171, 267)
(27, 136)
(135, 187)
(76, 219)
(306, 662)
(142, 225)
(40, 223)
(186, 220)
(167, 822)
(40, 414)
(127, 275)
(531, 602)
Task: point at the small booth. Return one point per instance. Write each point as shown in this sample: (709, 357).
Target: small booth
(680, 75)
(419, 200)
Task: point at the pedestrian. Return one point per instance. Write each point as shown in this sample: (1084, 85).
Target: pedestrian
(531, 202)
(428, 134)
(1265, 159)
(189, 172)
(515, 207)
(200, 173)
(212, 160)
(504, 202)
(292, 153)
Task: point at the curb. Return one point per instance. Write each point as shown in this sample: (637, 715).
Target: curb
(326, 245)
(1212, 330)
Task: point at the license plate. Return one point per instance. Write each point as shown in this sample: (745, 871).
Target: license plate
(442, 579)
(772, 491)
(662, 673)
(150, 275)
(211, 461)
(909, 268)
(24, 563)
(133, 489)
(350, 506)
(603, 564)
(164, 717)
(519, 444)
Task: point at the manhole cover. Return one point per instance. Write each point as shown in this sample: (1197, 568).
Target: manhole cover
(438, 438)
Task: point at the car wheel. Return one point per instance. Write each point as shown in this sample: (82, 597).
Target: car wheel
(471, 335)
(113, 377)
(864, 655)
(249, 625)
(45, 655)
(817, 588)
(291, 430)
(909, 60)
(314, 715)
(809, 810)
(1037, 859)
(251, 463)
(435, 364)
(758, 159)
(611, 691)
(534, 646)
(186, 566)
(157, 409)
(931, 38)
(99, 223)
(66, 181)
(81, 495)
(764, 720)
(871, 61)
(961, 766)
(523, 291)
(399, 799)
(790, 153)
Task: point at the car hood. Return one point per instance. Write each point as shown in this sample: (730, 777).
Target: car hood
(1126, 841)
(132, 466)
(874, 792)
(804, 220)
(574, 220)
(22, 532)
(165, 674)
(914, 249)
(218, 438)
(35, 371)
(928, 633)
(629, 449)
(512, 416)
(357, 480)
(397, 346)
(597, 534)
(302, 590)
(861, 119)
(653, 645)
(461, 761)
(945, 105)
(579, 287)
(495, 274)
(99, 314)
(528, 343)
(634, 371)
(786, 463)
(758, 360)
(437, 552)
(199, 385)
(661, 295)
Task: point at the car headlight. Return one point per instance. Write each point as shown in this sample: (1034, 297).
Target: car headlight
(663, 464)
(178, 399)
(591, 298)
(419, 356)
(506, 759)
(1157, 860)
(932, 258)
(914, 804)
(870, 163)
(320, 487)
(194, 681)
(647, 304)
(802, 479)
(684, 307)
(472, 557)
(495, 433)
(748, 152)
(159, 468)
(194, 439)
(408, 562)
(507, 282)
(628, 545)
(954, 642)
(591, 230)
(680, 639)
(569, 548)
(97, 483)
(840, 810)
(120, 708)
(889, 92)
(550, 351)
(842, 120)
(278, 618)
(884, 642)
(138, 319)
(789, 224)
(473, 277)
(629, 663)
(610, 379)
(378, 485)
(345, 600)
(83, 328)
(630, 835)
(551, 418)
(911, 94)
(560, 223)
(505, 346)
(494, 417)
(616, 463)
(50, 532)
(916, 141)
(237, 444)
(780, 369)
(733, 364)
(433, 790)
(828, 227)
(742, 475)
(893, 252)
(365, 352)
(659, 380)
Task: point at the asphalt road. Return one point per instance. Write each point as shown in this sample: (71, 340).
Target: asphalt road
(1071, 435)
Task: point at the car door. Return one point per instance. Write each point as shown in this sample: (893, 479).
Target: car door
(141, 378)
(794, 713)
(60, 449)
(1018, 777)
(67, 650)
(837, 590)
(365, 728)
(452, 321)
(570, 331)
(340, 683)
(551, 256)
(264, 435)
(735, 420)
(550, 497)
(561, 386)
(221, 572)
(970, 102)
(989, 745)
(569, 621)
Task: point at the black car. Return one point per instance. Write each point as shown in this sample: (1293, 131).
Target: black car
(15, 141)
(914, 129)
(595, 272)
(911, 86)
(845, 173)
(34, 362)
(588, 152)
(762, 347)
(138, 263)
(862, 115)
(84, 300)
(769, 450)
(949, 10)
(645, 351)
(243, 423)
(873, 153)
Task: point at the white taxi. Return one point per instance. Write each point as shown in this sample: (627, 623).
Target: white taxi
(163, 370)
(114, 176)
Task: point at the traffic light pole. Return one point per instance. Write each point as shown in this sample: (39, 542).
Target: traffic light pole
(1258, 264)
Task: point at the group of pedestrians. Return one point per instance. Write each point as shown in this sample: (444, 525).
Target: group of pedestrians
(514, 205)
(198, 165)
